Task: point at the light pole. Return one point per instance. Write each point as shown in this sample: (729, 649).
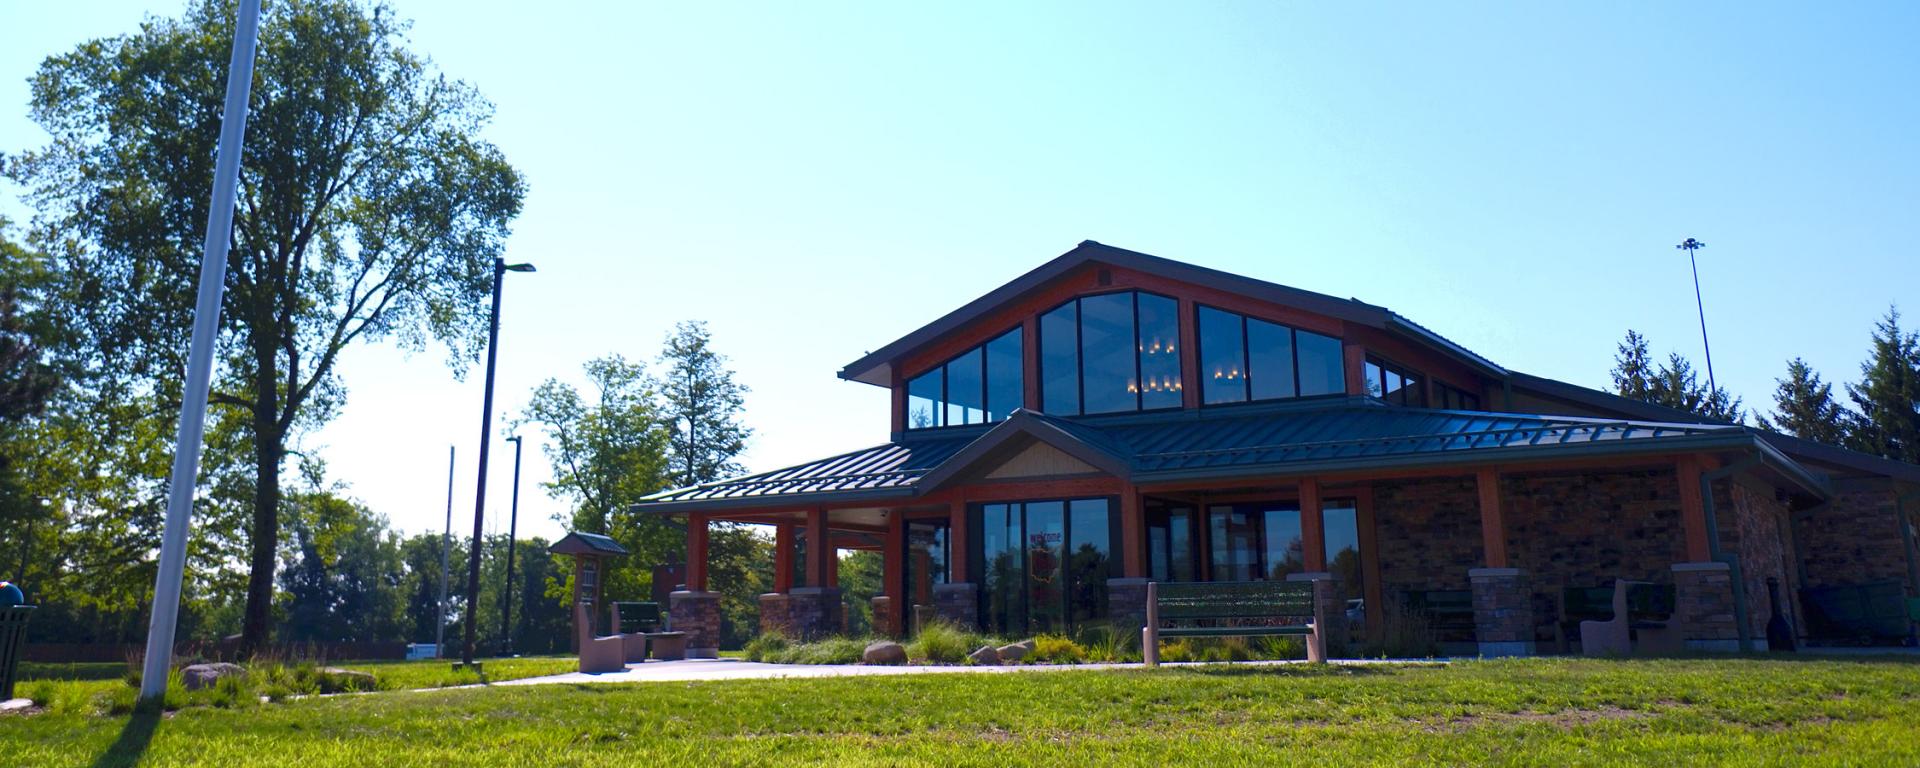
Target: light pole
(506, 589)
(1690, 246)
(446, 549)
(500, 268)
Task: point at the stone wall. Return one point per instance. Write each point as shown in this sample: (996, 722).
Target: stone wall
(776, 618)
(698, 615)
(958, 603)
(1428, 534)
(1586, 529)
(1754, 526)
(815, 612)
(1855, 539)
(1703, 606)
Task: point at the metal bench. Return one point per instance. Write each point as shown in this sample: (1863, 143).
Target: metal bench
(1447, 612)
(1230, 609)
(636, 623)
(1649, 613)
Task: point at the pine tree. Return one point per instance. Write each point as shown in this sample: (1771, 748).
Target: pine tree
(1887, 399)
(1805, 408)
(701, 404)
(1633, 368)
(1672, 384)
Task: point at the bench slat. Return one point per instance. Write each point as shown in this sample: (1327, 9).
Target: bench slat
(1234, 599)
(1234, 631)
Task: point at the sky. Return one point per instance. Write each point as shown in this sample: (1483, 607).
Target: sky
(814, 180)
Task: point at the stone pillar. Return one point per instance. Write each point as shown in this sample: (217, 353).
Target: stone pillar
(698, 615)
(1127, 605)
(958, 604)
(776, 617)
(1703, 606)
(1502, 611)
(815, 612)
(1329, 610)
(883, 611)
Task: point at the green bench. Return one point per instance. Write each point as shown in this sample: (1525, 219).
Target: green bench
(1448, 614)
(1230, 609)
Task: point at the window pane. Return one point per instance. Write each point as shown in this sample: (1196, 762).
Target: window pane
(1107, 354)
(1046, 540)
(1269, 359)
(926, 559)
(1180, 543)
(1159, 353)
(1002, 570)
(1060, 361)
(965, 400)
(1089, 559)
(1234, 540)
(1322, 367)
(1376, 380)
(1343, 547)
(1285, 554)
(1413, 392)
(1222, 364)
(1006, 386)
(923, 400)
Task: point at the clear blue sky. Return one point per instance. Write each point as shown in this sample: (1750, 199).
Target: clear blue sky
(816, 179)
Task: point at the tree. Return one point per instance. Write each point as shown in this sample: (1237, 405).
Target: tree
(1887, 398)
(344, 575)
(368, 209)
(1804, 407)
(701, 404)
(1672, 384)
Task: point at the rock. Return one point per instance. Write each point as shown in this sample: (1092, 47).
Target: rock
(1013, 652)
(884, 652)
(985, 656)
(198, 676)
(337, 680)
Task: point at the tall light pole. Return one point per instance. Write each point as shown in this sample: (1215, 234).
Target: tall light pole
(185, 474)
(1690, 246)
(506, 589)
(500, 268)
(446, 549)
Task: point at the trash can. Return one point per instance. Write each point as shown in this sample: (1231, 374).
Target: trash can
(13, 635)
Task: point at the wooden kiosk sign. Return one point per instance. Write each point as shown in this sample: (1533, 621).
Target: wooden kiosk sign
(589, 551)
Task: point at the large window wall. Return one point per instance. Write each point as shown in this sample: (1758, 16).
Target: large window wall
(980, 385)
(1249, 542)
(1045, 564)
(1246, 359)
(1111, 353)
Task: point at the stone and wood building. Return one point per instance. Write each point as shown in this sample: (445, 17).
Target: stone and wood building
(1112, 418)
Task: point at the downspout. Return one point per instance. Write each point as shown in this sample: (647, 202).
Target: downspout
(1906, 536)
(1732, 560)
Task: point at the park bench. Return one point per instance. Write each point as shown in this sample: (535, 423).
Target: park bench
(1628, 616)
(1448, 614)
(1230, 609)
(634, 622)
(1859, 613)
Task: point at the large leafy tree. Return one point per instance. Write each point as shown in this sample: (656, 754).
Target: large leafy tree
(1887, 398)
(1672, 383)
(702, 406)
(1804, 407)
(369, 208)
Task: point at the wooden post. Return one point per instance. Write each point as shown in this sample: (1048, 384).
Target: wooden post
(957, 541)
(1356, 368)
(1189, 355)
(1693, 510)
(783, 557)
(818, 547)
(1133, 523)
(1493, 522)
(1370, 562)
(1150, 634)
(1313, 527)
(696, 554)
(1030, 354)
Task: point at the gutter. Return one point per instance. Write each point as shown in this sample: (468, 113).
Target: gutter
(1731, 559)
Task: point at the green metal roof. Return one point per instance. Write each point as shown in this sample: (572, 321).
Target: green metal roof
(578, 543)
(1324, 435)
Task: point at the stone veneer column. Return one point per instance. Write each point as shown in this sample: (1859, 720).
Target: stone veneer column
(1703, 606)
(958, 604)
(1502, 611)
(776, 616)
(883, 611)
(1127, 605)
(1329, 610)
(698, 615)
(815, 612)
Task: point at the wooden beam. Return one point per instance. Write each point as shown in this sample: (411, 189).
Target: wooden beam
(1030, 360)
(783, 558)
(1355, 362)
(957, 540)
(1189, 354)
(893, 570)
(696, 554)
(1370, 562)
(818, 547)
(1133, 533)
(1493, 523)
(1693, 511)
(1313, 528)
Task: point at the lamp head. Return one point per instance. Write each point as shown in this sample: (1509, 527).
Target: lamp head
(505, 267)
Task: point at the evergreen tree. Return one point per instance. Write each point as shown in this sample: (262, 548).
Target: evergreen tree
(701, 404)
(1805, 408)
(1672, 384)
(1887, 399)
(1633, 368)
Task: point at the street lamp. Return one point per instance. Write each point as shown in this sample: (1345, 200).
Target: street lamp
(1690, 246)
(506, 589)
(500, 268)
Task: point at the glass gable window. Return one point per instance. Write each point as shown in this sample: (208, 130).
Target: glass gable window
(1395, 384)
(978, 386)
(1111, 353)
(1243, 358)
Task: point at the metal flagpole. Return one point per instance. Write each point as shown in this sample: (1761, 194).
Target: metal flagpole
(446, 545)
(206, 322)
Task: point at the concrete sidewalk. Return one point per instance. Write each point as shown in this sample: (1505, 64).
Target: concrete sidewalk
(735, 669)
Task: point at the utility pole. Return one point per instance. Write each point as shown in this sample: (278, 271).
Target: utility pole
(500, 269)
(1690, 246)
(506, 590)
(446, 546)
(184, 476)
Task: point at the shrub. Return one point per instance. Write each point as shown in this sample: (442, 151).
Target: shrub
(1406, 635)
(834, 650)
(1057, 649)
(1281, 647)
(1176, 651)
(1110, 644)
(765, 647)
(1225, 649)
(942, 643)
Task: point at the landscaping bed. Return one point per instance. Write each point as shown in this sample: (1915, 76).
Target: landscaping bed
(944, 644)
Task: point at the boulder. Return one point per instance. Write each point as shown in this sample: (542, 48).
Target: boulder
(198, 676)
(337, 680)
(1013, 652)
(985, 656)
(885, 652)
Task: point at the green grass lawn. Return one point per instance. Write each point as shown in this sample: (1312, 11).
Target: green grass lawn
(1524, 712)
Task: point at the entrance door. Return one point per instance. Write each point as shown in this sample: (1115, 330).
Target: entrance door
(1044, 565)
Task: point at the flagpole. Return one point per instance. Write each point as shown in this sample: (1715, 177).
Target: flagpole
(185, 474)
